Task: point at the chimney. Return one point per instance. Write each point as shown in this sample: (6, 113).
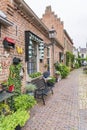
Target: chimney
(48, 9)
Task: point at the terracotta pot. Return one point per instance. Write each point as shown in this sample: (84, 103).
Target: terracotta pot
(11, 88)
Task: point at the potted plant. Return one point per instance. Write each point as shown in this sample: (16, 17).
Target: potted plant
(14, 78)
(14, 120)
(57, 75)
(4, 83)
(30, 88)
(20, 115)
(51, 81)
(4, 109)
(24, 101)
(10, 84)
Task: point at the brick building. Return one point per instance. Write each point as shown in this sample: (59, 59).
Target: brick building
(51, 20)
(29, 38)
(68, 44)
(83, 54)
(65, 43)
(20, 26)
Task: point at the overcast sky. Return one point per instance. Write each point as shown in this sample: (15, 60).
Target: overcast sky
(72, 12)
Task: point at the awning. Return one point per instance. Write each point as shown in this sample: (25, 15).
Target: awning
(10, 40)
(5, 22)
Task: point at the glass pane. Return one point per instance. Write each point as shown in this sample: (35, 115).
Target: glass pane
(32, 64)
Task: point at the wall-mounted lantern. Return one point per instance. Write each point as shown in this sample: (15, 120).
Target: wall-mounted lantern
(52, 33)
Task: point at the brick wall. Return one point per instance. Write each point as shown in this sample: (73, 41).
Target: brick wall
(16, 32)
(50, 19)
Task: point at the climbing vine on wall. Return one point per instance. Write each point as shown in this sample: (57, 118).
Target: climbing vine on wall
(14, 77)
(69, 59)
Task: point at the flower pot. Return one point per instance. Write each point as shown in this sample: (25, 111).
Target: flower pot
(18, 127)
(57, 76)
(50, 83)
(11, 88)
(30, 93)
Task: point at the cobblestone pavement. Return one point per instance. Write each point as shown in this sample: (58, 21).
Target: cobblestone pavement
(61, 111)
(83, 100)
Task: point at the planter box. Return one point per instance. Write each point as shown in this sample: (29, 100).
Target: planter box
(34, 79)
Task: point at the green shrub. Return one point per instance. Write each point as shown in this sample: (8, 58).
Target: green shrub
(76, 65)
(4, 109)
(11, 121)
(70, 59)
(34, 75)
(51, 79)
(57, 73)
(24, 101)
(64, 70)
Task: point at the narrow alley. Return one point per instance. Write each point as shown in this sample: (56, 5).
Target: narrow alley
(65, 109)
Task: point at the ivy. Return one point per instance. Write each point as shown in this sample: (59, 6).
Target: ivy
(14, 77)
(69, 59)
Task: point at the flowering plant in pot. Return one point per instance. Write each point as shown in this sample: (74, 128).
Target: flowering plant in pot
(10, 84)
(11, 88)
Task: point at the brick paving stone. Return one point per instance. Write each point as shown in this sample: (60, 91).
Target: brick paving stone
(61, 111)
(83, 100)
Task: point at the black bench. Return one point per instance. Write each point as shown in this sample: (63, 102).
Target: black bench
(42, 89)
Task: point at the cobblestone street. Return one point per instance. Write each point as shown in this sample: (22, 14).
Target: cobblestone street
(65, 109)
(83, 100)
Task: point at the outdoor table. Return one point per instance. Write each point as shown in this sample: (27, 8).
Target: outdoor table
(5, 95)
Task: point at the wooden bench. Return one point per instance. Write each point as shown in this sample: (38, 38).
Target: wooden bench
(42, 89)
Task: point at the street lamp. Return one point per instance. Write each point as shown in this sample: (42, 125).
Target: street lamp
(52, 35)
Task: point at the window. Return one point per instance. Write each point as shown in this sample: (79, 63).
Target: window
(61, 57)
(33, 51)
(48, 52)
(32, 63)
(48, 59)
(82, 55)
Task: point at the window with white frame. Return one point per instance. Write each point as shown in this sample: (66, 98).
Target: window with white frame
(34, 50)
